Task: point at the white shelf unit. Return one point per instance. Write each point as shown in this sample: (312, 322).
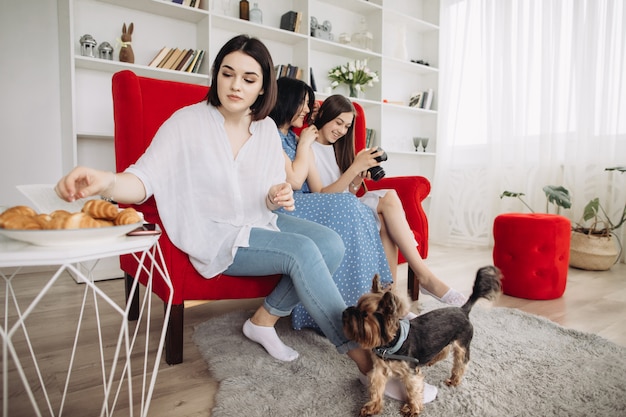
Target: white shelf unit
(403, 31)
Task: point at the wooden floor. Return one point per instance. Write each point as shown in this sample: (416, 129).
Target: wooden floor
(593, 302)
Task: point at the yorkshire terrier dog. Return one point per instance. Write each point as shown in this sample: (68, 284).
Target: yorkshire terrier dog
(400, 347)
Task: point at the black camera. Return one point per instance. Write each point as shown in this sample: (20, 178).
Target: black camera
(378, 172)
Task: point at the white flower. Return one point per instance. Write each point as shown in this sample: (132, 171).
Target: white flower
(354, 73)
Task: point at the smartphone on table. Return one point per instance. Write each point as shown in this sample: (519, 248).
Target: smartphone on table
(145, 229)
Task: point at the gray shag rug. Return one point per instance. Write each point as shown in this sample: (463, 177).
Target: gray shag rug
(521, 365)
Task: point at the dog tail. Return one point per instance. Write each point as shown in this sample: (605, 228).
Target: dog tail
(487, 285)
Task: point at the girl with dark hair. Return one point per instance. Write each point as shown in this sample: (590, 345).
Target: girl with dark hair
(216, 171)
(342, 212)
(337, 169)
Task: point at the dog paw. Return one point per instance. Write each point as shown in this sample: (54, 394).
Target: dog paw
(453, 382)
(371, 409)
(410, 411)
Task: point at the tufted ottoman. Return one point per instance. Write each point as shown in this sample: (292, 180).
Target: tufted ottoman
(532, 251)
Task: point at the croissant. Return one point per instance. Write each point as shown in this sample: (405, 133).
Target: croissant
(20, 222)
(79, 221)
(59, 213)
(127, 216)
(100, 209)
(42, 219)
(25, 210)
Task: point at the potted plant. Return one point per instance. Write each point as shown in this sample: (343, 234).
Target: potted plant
(595, 245)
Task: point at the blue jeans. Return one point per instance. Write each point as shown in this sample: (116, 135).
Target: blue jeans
(307, 254)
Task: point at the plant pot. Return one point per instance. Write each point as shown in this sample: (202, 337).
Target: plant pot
(593, 253)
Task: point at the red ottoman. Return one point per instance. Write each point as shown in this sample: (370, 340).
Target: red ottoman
(532, 251)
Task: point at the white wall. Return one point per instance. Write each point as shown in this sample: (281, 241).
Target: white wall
(30, 138)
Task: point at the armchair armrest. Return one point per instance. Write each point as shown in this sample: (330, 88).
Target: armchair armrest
(412, 190)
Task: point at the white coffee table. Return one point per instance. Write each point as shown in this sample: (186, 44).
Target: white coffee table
(117, 372)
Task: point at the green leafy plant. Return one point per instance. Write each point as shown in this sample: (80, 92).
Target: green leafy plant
(557, 195)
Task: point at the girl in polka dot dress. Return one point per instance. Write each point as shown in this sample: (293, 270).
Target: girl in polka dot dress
(342, 212)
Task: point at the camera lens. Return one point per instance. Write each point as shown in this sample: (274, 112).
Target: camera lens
(378, 172)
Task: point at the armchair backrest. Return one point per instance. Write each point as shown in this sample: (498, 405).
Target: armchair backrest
(141, 106)
(359, 127)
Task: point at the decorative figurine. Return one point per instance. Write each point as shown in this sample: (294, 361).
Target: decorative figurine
(126, 51)
(105, 51)
(88, 46)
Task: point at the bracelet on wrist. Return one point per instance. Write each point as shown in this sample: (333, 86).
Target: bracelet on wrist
(110, 198)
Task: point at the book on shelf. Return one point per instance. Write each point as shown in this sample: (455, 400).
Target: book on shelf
(313, 84)
(369, 137)
(428, 100)
(177, 1)
(288, 70)
(159, 56)
(183, 63)
(177, 59)
(166, 58)
(194, 66)
(290, 21)
(172, 59)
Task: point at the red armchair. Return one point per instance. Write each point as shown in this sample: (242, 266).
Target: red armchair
(412, 190)
(140, 106)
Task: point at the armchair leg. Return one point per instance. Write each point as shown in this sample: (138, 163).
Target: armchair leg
(174, 335)
(133, 313)
(413, 284)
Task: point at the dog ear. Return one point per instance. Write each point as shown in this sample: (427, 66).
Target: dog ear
(388, 305)
(353, 326)
(376, 286)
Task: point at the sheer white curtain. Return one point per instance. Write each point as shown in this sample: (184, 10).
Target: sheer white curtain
(533, 93)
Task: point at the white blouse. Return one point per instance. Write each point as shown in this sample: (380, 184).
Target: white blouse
(208, 201)
(326, 163)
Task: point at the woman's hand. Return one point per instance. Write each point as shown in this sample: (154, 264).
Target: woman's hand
(281, 195)
(308, 135)
(84, 182)
(366, 159)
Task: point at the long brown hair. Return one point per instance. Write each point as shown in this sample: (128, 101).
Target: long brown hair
(330, 109)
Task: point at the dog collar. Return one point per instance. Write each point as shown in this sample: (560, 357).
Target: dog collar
(389, 351)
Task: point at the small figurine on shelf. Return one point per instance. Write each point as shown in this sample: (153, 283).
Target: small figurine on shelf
(105, 51)
(126, 51)
(88, 46)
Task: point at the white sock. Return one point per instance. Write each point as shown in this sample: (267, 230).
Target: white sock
(410, 315)
(397, 391)
(454, 298)
(266, 336)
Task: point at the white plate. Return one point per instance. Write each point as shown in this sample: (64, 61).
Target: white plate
(70, 237)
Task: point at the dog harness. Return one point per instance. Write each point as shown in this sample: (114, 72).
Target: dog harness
(389, 351)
